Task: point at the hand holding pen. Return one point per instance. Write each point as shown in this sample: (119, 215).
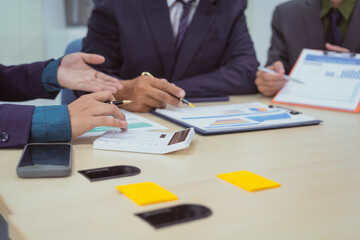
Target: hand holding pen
(267, 70)
(149, 93)
(183, 100)
(119, 102)
(271, 79)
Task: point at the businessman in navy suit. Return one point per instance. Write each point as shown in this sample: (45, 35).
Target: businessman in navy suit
(190, 47)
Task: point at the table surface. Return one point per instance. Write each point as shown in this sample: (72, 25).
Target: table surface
(317, 166)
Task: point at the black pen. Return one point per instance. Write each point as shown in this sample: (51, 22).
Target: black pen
(180, 99)
(120, 102)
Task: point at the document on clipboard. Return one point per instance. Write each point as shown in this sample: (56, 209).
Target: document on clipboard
(235, 118)
(331, 81)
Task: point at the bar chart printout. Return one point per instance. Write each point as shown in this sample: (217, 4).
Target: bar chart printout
(235, 117)
(331, 82)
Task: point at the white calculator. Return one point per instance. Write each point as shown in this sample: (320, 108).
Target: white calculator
(144, 141)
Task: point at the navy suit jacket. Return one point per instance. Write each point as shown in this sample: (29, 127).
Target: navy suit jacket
(217, 54)
(297, 25)
(19, 83)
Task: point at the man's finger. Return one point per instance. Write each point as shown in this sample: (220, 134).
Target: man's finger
(118, 114)
(164, 97)
(110, 88)
(102, 96)
(167, 87)
(104, 86)
(109, 122)
(273, 77)
(93, 88)
(336, 48)
(104, 109)
(275, 85)
(106, 79)
(153, 99)
(92, 58)
(278, 67)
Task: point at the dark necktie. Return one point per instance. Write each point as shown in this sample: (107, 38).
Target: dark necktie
(333, 34)
(183, 24)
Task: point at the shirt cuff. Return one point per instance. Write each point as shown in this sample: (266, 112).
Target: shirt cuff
(50, 124)
(49, 76)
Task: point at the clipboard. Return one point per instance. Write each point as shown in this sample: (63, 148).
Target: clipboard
(231, 118)
(331, 81)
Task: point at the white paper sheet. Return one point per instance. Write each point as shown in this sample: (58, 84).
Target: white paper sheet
(135, 122)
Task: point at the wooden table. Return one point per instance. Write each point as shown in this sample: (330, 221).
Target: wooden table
(318, 167)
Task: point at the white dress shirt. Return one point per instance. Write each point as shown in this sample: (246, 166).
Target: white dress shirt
(175, 10)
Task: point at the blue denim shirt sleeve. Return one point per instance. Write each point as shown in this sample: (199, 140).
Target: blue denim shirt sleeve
(50, 124)
(49, 76)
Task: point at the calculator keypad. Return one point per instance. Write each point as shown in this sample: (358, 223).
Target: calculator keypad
(135, 138)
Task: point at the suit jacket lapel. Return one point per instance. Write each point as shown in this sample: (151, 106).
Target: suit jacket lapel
(203, 19)
(313, 24)
(352, 38)
(157, 16)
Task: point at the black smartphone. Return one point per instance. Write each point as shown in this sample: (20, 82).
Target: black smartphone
(45, 160)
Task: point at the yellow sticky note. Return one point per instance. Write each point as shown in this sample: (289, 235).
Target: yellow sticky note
(146, 193)
(248, 181)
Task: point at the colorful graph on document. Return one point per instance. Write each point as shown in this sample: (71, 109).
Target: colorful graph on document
(228, 121)
(254, 116)
(258, 109)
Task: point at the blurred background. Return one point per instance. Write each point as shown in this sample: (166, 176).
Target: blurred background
(35, 30)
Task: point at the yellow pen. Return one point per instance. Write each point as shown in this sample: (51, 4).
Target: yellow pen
(180, 99)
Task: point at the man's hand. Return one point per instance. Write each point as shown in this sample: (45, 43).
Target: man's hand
(335, 48)
(269, 84)
(75, 73)
(90, 111)
(149, 93)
